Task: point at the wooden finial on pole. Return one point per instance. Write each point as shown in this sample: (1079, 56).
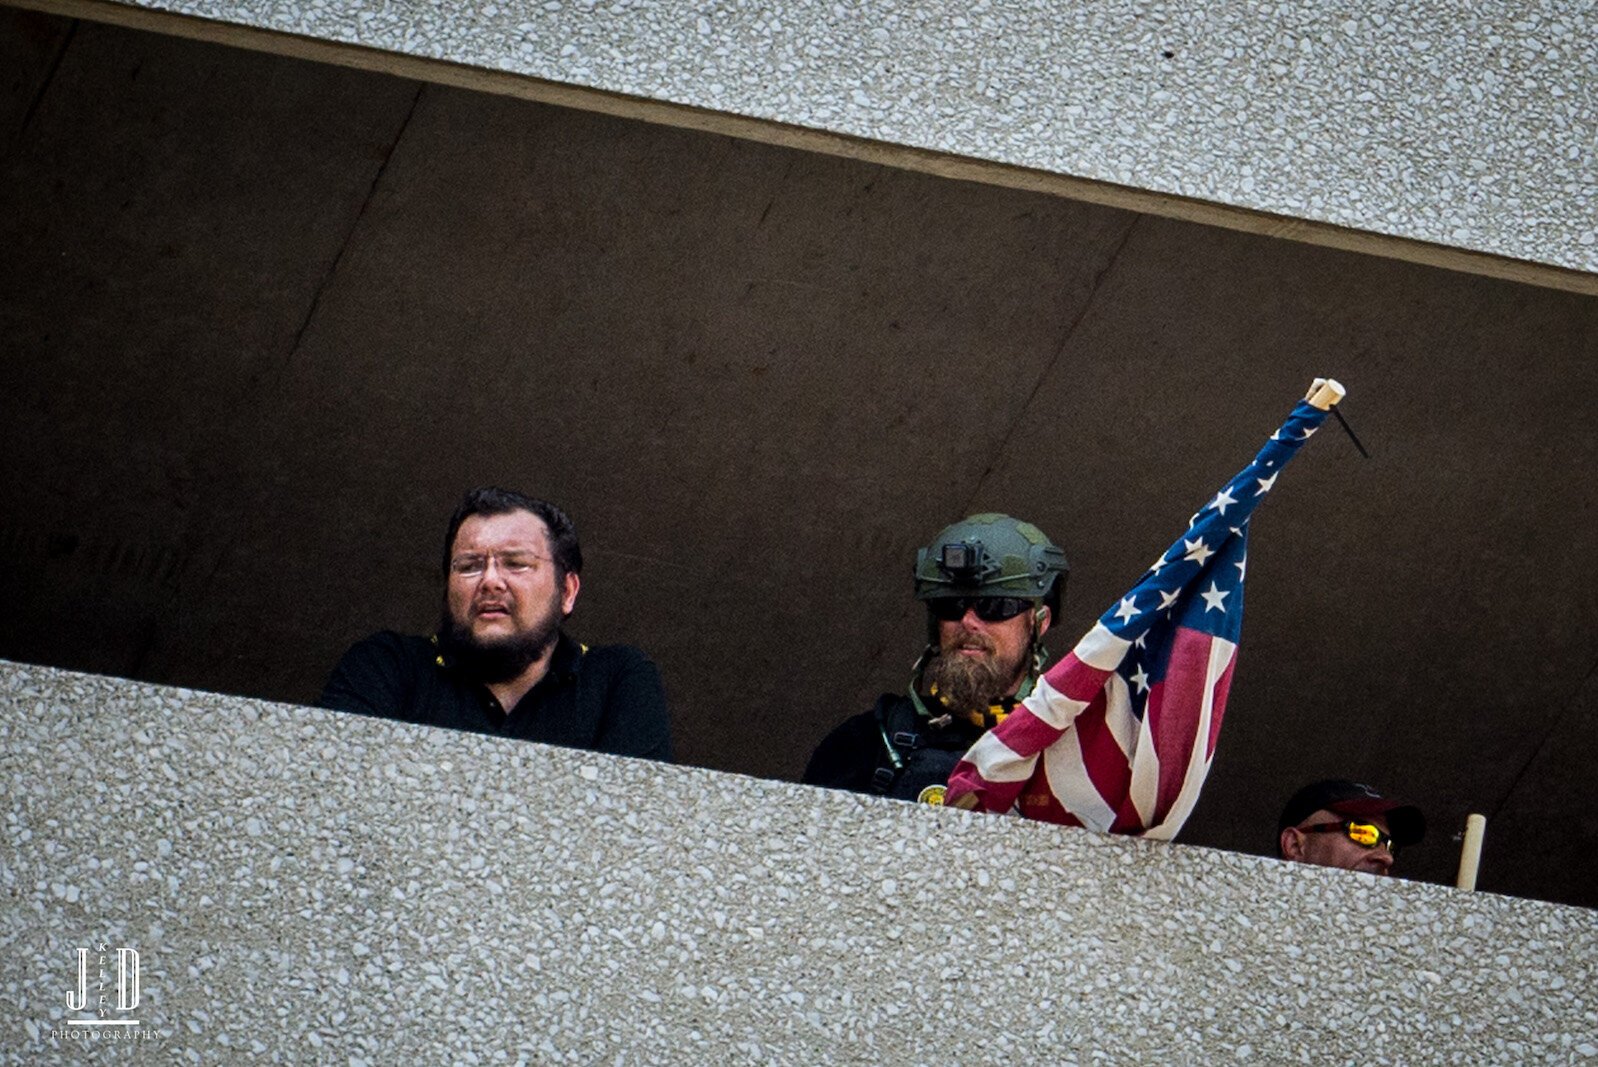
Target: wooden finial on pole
(1470, 854)
(1324, 392)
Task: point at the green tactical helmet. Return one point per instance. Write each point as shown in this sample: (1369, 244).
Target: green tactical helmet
(992, 555)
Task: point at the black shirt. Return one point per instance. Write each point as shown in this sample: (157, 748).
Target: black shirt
(605, 699)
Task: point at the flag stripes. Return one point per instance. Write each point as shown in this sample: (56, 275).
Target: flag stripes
(1119, 735)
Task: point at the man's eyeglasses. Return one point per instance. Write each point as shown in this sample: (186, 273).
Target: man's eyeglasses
(509, 562)
(1365, 834)
(987, 608)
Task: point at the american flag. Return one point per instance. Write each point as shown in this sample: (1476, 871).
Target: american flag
(1118, 736)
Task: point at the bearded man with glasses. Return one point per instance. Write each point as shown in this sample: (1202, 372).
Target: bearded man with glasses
(992, 585)
(1339, 823)
(500, 663)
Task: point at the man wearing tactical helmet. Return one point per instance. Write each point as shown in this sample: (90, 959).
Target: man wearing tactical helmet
(992, 585)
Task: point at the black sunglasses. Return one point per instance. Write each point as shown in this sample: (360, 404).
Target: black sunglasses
(987, 608)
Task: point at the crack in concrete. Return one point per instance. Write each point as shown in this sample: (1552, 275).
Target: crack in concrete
(882, 651)
(349, 234)
(1589, 684)
(199, 585)
(1048, 370)
(44, 85)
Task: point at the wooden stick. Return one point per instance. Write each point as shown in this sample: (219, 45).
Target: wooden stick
(1324, 392)
(1470, 854)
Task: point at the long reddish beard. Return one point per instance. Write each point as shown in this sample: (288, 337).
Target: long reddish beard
(968, 684)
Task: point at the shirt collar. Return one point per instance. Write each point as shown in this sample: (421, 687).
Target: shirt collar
(566, 659)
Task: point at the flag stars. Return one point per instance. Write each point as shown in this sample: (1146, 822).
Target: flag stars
(1242, 568)
(1197, 550)
(1265, 484)
(1128, 609)
(1222, 500)
(1213, 599)
(1140, 680)
(1168, 598)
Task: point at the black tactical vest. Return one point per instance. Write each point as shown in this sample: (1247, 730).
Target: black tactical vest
(926, 754)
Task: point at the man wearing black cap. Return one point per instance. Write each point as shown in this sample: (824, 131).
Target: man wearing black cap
(1338, 823)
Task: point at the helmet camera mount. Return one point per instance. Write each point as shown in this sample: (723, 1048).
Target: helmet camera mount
(964, 562)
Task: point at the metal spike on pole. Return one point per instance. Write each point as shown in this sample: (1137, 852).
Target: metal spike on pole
(1324, 393)
(1350, 431)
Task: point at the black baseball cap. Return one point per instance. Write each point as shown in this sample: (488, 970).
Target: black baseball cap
(1355, 799)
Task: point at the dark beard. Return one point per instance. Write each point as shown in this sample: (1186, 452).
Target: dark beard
(965, 684)
(491, 662)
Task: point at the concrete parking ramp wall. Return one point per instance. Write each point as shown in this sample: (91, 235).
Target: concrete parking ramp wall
(264, 318)
(301, 885)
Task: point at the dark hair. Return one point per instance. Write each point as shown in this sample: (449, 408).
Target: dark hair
(492, 500)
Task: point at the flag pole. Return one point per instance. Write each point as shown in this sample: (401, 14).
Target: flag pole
(1145, 742)
(1470, 854)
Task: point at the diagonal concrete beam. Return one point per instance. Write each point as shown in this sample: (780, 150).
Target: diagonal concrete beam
(1453, 135)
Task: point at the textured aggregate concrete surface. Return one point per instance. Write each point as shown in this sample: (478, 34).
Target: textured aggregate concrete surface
(1455, 122)
(304, 885)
